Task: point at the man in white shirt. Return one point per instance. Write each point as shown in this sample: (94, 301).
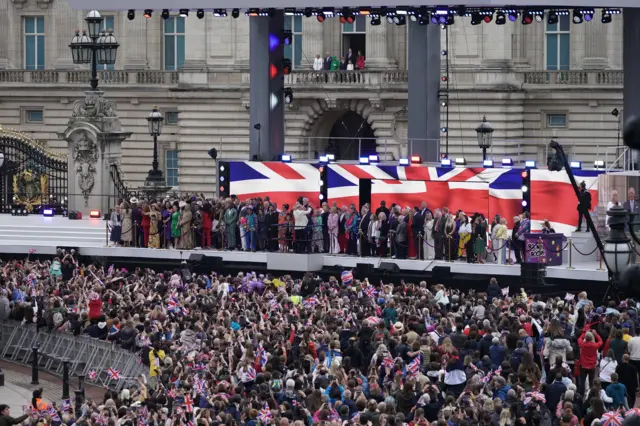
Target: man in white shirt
(318, 64)
(633, 346)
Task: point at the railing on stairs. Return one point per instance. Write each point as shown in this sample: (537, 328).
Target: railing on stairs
(120, 188)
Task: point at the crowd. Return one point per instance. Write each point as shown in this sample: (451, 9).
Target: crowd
(261, 225)
(252, 349)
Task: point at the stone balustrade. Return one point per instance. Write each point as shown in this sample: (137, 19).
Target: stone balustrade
(321, 79)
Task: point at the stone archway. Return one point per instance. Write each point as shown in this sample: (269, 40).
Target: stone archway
(342, 127)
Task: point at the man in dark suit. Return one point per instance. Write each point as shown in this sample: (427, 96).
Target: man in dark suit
(417, 227)
(350, 57)
(584, 205)
(327, 62)
(383, 209)
(325, 227)
(631, 205)
(438, 235)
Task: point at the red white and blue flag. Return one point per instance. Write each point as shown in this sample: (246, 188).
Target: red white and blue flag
(113, 373)
(370, 291)
(265, 415)
(92, 374)
(611, 418)
(310, 302)
(413, 367)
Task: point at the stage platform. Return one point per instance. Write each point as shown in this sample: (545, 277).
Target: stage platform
(19, 235)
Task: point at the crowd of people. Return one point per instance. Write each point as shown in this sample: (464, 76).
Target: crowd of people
(260, 225)
(253, 349)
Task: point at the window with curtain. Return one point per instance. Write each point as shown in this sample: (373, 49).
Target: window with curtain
(294, 52)
(174, 43)
(171, 167)
(558, 44)
(108, 24)
(34, 42)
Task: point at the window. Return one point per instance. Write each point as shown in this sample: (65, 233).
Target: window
(174, 43)
(556, 120)
(34, 42)
(171, 167)
(108, 24)
(294, 51)
(358, 26)
(557, 44)
(354, 37)
(171, 118)
(33, 116)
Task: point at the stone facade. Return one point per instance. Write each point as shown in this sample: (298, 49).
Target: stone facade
(497, 71)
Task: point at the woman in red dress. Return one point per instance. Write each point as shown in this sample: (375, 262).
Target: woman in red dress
(146, 223)
(411, 252)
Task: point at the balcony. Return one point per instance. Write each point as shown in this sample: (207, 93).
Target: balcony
(323, 80)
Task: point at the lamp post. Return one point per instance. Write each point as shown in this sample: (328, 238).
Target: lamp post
(484, 132)
(94, 46)
(617, 246)
(155, 177)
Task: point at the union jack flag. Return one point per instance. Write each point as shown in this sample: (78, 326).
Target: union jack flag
(387, 362)
(66, 405)
(199, 366)
(537, 396)
(413, 367)
(172, 304)
(188, 404)
(261, 356)
(115, 329)
(92, 374)
(310, 302)
(172, 393)
(632, 412)
(54, 414)
(101, 420)
(265, 415)
(190, 423)
(199, 386)
(611, 418)
(113, 373)
(249, 375)
(370, 291)
(374, 320)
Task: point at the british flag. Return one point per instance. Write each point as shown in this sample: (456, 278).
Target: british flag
(282, 182)
(249, 375)
(611, 418)
(632, 412)
(261, 356)
(310, 302)
(387, 362)
(413, 367)
(534, 396)
(265, 415)
(66, 405)
(113, 373)
(92, 374)
(370, 291)
(199, 386)
(188, 404)
(172, 304)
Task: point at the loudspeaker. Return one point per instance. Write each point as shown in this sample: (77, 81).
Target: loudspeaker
(363, 269)
(389, 267)
(196, 257)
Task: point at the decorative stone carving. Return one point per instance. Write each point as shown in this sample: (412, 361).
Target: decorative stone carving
(19, 3)
(43, 4)
(246, 104)
(85, 155)
(94, 106)
(332, 103)
(377, 104)
(292, 107)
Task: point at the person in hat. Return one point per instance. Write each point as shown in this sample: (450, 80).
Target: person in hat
(126, 235)
(185, 242)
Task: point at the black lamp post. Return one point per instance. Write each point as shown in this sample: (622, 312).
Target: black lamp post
(155, 119)
(94, 46)
(485, 133)
(617, 247)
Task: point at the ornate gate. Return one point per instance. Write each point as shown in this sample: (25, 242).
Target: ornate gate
(31, 176)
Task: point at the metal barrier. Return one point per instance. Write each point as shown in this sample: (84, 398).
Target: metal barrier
(83, 353)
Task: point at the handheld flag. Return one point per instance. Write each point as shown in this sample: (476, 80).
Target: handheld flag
(113, 373)
(265, 415)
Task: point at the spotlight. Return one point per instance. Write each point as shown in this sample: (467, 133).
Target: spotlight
(513, 15)
(487, 18)
(444, 52)
(416, 159)
(308, 12)
(527, 18)
(524, 188)
(445, 162)
(235, 13)
(434, 19)
(530, 164)
(615, 112)
(461, 161)
(324, 159)
(131, 14)
(320, 17)
(606, 17)
(413, 18)
(286, 158)
(476, 19)
(524, 174)
(443, 104)
(220, 13)
(598, 164)
(389, 19)
(487, 164)
(577, 165)
(47, 212)
(165, 14)
(365, 11)
(288, 95)
(443, 129)
(286, 37)
(332, 157)
(501, 18)
(213, 153)
(423, 20)
(374, 158)
(200, 13)
(286, 66)
(400, 20)
(524, 203)
(450, 20)
(364, 160)
(577, 17)
(148, 13)
(94, 214)
(552, 19)
(507, 162)
(588, 14)
(184, 12)
(539, 18)
(403, 162)
(347, 16)
(320, 197)
(375, 21)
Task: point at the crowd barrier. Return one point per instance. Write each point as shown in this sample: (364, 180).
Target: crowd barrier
(18, 344)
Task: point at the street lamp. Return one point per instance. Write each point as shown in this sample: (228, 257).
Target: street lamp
(485, 133)
(617, 246)
(155, 119)
(95, 47)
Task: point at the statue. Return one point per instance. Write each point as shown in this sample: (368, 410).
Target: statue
(85, 155)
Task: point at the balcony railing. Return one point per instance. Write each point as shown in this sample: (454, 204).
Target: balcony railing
(321, 79)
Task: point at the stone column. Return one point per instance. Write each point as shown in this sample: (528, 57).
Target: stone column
(312, 41)
(376, 47)
(595, 46)
(135, 36)
(498, 53)
(65, 22)
(5, 18)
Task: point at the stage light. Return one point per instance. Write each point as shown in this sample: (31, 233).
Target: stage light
(289, 11)
(539, 18)
(365, 11)
(389, 19)
(524, 174)
(450, 20)
(403, 162)
(220, 13)
(287, 37)
(184, 13)
(131, 14)
(588, 14)
(148, 13)
(577, 17)
(364, 160)
(501, 18)
(476, 19)
(423, 20)
(416, 159)
(288, 95)
(221, 178)
(445, 162)
(323, 159)
(374, 158)
(487, 18)
(606, 17)
(530, 164)
(399, 20)
(443, 104)
(235, 13)
(444, 52)
(286, 158)
(308, 12)
(47, 212)
(375, 21)
(94, 214)
(487, 164)
(507, 162)
(320, 197)
(320, 17)
(552, 19)
(598, 164)
(200, 13)
(461, 161)
(165, 14)
(443, 129)
(524, 188)
(222, 168)
(513, 16)
(286, 66)
(527, 17)
(222, 188)
(577, 165)
(524, 203)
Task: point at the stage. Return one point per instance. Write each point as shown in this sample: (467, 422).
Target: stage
(20, 235)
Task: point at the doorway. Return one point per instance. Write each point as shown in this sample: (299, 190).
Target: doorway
(351, 137)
